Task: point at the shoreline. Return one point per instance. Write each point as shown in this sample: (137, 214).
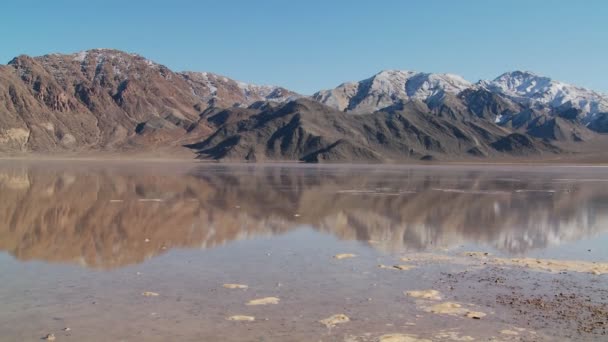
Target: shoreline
(167, 159)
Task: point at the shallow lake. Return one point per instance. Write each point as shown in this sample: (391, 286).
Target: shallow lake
(141, 251)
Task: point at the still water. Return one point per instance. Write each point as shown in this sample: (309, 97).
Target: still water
(81, 242)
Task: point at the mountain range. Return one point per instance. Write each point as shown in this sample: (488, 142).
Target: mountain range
(109, 101)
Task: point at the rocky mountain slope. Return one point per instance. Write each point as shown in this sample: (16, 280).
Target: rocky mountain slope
(306, 130)
(110, 101)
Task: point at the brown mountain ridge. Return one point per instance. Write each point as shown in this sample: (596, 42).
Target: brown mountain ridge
(111, 101)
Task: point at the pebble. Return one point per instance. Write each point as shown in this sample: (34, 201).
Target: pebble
(344, 256)
(264, 301)
(475, 314)
(241, 318)
(509, 332)
(425, 294)
(401, 338)
(397, 267)
(235, 286)
(332, 321)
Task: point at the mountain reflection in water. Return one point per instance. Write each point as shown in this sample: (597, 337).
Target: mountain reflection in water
(107, 216)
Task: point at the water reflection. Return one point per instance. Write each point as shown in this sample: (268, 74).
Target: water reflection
(110, 216)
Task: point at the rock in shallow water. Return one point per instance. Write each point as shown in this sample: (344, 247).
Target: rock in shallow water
(235, 286)
(332, 321)
(264, 301)
(344, 256)
(241, 318)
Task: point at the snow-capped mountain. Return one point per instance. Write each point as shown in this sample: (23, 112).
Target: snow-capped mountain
(391, 86)
(110, 100)
(530, 89)
(388, 87)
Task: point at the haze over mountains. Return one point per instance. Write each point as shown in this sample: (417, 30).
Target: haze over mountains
(110, 101)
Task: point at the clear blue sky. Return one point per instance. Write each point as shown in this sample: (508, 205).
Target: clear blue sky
(310, 45)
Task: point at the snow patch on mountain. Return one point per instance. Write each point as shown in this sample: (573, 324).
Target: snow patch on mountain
(388, 87)
(529, 88)
(80, 56)
(212, 87)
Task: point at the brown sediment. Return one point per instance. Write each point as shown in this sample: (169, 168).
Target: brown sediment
(547, 265)
(453, 309)
(264, 301)
(571, 312)
(333, 320)
(554, 265)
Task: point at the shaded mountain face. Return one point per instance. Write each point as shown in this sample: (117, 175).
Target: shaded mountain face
(305, 130)
(112, 101)
(109, 100)
(599, 123)
(99, 216)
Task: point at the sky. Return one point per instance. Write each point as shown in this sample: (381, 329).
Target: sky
(311, 45)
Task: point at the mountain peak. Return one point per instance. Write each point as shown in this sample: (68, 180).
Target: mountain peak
(528, 87)
(388, 86)
(518, 74)
(395, 73)
(522, 81)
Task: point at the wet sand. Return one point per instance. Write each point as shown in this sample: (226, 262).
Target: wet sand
(325, 254)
